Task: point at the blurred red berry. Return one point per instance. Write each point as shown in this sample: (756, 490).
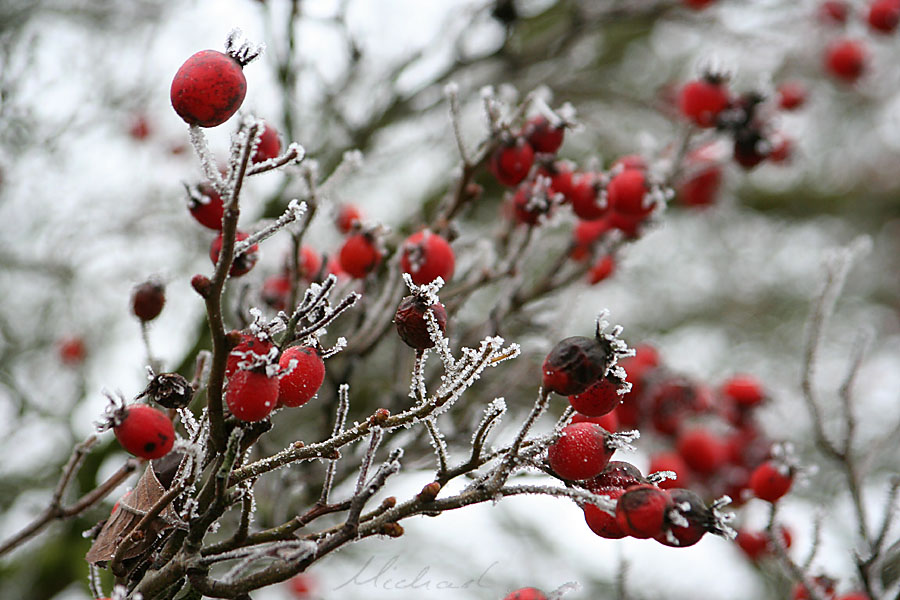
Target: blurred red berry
(427, 256)
(206, 206)
(359, 255)
(544, 136)
(770, 481)
(884, 15)
(834, 11)
(791, 95)
(701, 450)
(601, 270)
(702, 100)
(348, 214)
(512, 161)
(526, 594)
(269, 144)
(670, 461)
(72, 351)
(242, 263)
(588, 202)
(148, 299)
(846, 59)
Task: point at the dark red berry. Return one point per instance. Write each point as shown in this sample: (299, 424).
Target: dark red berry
(884, 15)
(616, 474)
(269, 144)
(750, 147)
(526, 594)
(251, 395)
(689, 507)
(770, 481)
(208, 88)
(697, 4)
(670, 461)
(641, 510)
(359, 255)
(601, 522)
(702, 100)
(586, 196)
(601, 270)
(600, 398)
(673, 399)
(302, 374)
(148, 299)
(512, 161)
(206, 206)
(573, 365)
(704, 452)
(531, 202)
(543, 135)
(427, 256)
(347, 216)
(580, 453)
(410, 321)
(144, 431)
(846, 59)
(242, 263)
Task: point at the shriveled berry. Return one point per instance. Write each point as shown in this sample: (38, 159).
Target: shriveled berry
(750, 147)
(586, 196)
(600, 398)
(269, 144)
(206, 205)
(544, 136)
(770, 481)
(208, 88)
(580, 453)
(170, 390)
(529, 593)
(846, 59)
(144, 431)
(427, 256)
(148, 299)
(242, 263)
(251, 395)
(411, 325)
(641, 510)
(359, 255)
(702, 100)
(573, 365)
(701, 450)
(511, 162)
(302, 374)
(601, 522)
(690, 507)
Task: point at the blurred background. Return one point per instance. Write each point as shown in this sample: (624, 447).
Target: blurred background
(93, 163)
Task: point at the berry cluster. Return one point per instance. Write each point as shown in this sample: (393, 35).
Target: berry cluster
(847, 58)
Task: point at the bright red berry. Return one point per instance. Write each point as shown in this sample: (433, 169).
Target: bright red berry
(791, 95)
(770, 481)
(544, 136)
(206, 206)
(242, 263)
(512, 161)
(600, 398)
(560, 174)
(744, 390)
(702, 100)
(411, 325)
(347, 216)
(602, 269)
(72, 350)
(670, 461)
(585, 235)
(302, 374)
(884, 15)
(701, 450)
(251, 395)
(359, 255)
(309, 263)
(701, 188)
(609, 421)
(601, 522)
(147, 300)
(144, 431)
(427, 256)
(269, 144)
(573, 365)
(641, 510)
(208, 88)
(250, 353)
(846, 59)
(529, 593)
(588, 202)
(580, 453)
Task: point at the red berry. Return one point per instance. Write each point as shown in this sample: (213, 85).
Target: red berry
(309, 262)
(144, 431)
(206, 206)
(702, 100)
(544, 136)
(251, 395)
(411, 324)
(250, 353)
(573, 365)
(526, 594)
(825, 586)
(147, 300)
(770, 481)
(697, 4)
(641, 510)
(616, 474)
(702, 451)
(359, 255)
(692, 509)
(670, 461)
(427, 256)
(302, 374)
(587, 201)
(346, 217)
(139, 128)
(511, 162)
(72, 351)
(208, 88)
(601, 270)
(609, 421)
(630, 161)
(601, 522)
(846, 60)
(302, 586)
(560, 174)
(672, 400)
(599, 399)
(782, 148)
(755, 544)
(884, 15)
(834, 11)
(276, 289)
(585, 235)
(629, 225)
(854, 596)
(744, 390)
(242, 264)
(580, 453)
(791, 95)
(269, 144)
(531, 202)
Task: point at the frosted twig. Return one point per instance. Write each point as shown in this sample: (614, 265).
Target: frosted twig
(207, 160)
(509, 460)
(295, 154)
(417, 390)
(340, 418)
(365, 492)
(846, 390)
(493, 414)
(814, 545)
(295, 210)
(438, 443)
(577, 495)
(451, 91)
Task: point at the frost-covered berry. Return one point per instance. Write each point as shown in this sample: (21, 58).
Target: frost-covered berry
(206, 206)
(846, 59)
(529, 593)
(702, 100)
(144, 431)
(687, 521)
(641, 511)
(601, 522)
(208, 88)
(573, 365)
(770, 481)
(242, 263)
(170, 390)
(269, 144)
(511, 162)
(148, 299)
(250, 353)
(427, 256)
(302, 374)
(251, 395)
(617, 474)
(587, 197)
(411, 324)
(543, 135)
(600, 398)
(581, 452)
(359, 255)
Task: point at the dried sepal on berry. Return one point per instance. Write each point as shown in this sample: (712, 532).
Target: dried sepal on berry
(170, 390)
